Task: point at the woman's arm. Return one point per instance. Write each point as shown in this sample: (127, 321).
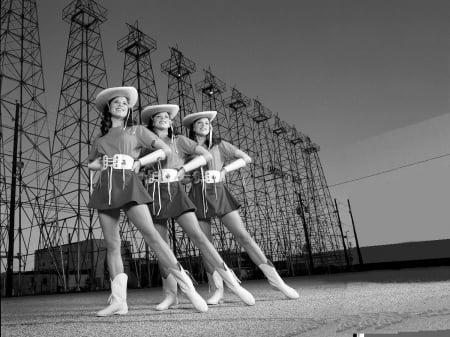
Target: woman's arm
(201, 151)
(96, 164)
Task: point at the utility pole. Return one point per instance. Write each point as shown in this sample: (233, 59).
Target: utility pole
(354, 232)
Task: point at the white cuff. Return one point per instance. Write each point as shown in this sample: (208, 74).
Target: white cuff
(237, 164)
(152, 157)
(194, 163)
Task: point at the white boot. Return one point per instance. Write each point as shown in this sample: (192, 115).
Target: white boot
(118, 299)
(215, 284)
(232, 282)
(170, 293)
(275, 280)
(186, 286)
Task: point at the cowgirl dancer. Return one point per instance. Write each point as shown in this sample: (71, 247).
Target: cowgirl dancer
(212, 198)
(115, 153)
(171, 201)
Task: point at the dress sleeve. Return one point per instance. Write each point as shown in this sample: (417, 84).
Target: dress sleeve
(186, 145)
(227, 150)
(146, 137)
(93, 153)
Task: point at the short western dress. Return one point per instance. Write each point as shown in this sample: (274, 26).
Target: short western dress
(214, 199)
(170, 199)
(117, 188)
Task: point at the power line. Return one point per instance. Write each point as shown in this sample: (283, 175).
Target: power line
(390, 170)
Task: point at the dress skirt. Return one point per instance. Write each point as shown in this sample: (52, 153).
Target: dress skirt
(218, 200)
(117, 188)
(170, 200)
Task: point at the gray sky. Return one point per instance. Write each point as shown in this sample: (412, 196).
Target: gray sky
(341, 71)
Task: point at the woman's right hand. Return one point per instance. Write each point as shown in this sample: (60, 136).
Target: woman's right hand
(96, 164)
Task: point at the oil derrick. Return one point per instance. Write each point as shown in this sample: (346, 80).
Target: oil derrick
(25, 144)
(138, 72)
(76, 127)
(288, 237)
(299, 182)
(211, 89)
(325, 240)
(137, 68)
(261, 185)
(180, 90)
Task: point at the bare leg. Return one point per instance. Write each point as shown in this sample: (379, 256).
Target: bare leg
(141, 218)
(233, 222)
(206, 229)
(109, 220)
(188, 221)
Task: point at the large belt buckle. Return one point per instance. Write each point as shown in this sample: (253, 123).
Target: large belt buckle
(106, 161)
(168, 175)
(122, 161)
(212, 176)
(153, 177)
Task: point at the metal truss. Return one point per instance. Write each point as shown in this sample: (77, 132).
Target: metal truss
(137, 68)
(25, 144)
(179, 69)
(76, 127)
(138, 72)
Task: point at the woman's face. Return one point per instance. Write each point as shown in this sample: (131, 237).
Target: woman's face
(201, 126)
(118, 107)
(161, 121)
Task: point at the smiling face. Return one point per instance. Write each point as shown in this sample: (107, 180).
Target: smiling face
(161, 121)
(201, 126)
(118, 107)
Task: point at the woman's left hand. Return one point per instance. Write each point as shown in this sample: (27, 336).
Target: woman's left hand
(222, 175)
(180, 174)
(136, 166)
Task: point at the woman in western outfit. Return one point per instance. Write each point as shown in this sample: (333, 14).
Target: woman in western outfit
(212, 199)
(115, 153)
(171, 201)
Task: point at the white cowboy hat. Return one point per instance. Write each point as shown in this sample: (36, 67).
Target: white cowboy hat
(106, 95)
(149, 111)
(190, 119)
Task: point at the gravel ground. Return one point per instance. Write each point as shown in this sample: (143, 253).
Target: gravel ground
(388, 302)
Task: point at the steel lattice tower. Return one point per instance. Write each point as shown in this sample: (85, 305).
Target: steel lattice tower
(211, 89)
(180, 90)
(25, 144)
(138, 72)
(76, 127)
(137, 68)
(324, 235)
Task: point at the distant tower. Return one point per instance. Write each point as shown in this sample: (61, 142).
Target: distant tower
(76, 127)
(137, 68)
(288, 238)
(25, 160)
(138, 72)
(324, 235)
(180, 90)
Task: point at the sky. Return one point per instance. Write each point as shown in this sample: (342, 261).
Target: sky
(349, 73)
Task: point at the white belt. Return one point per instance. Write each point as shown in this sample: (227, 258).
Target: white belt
(163, 176)
(118, 161)
(212, 176)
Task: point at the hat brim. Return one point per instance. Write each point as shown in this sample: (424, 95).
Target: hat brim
(106, 95)
(151, 110)
(190, 119)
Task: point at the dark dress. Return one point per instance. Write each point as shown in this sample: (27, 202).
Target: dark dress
(214, 199)
(116, 187)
